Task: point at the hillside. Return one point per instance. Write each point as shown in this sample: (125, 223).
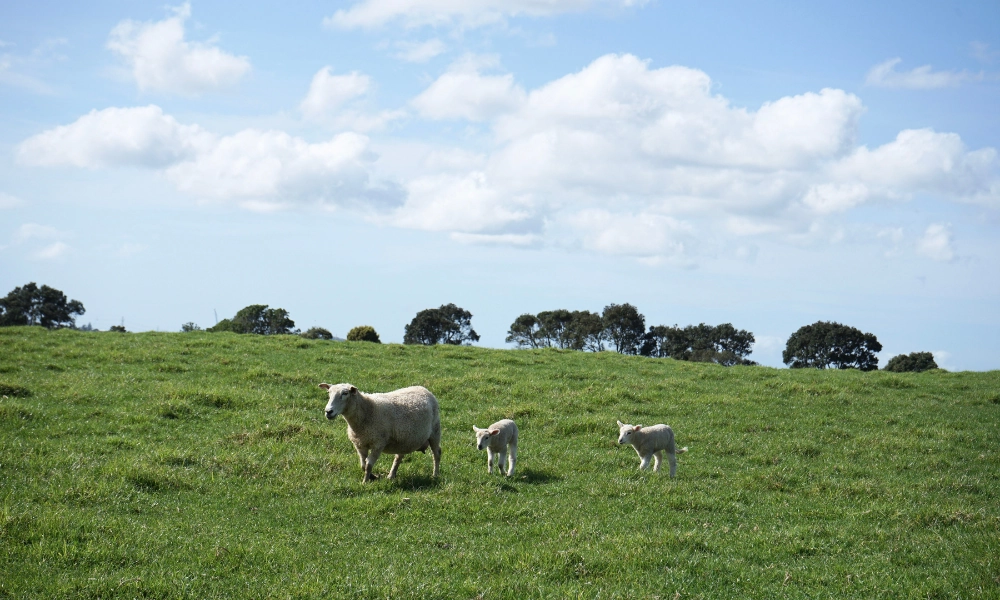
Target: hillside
(169, 465)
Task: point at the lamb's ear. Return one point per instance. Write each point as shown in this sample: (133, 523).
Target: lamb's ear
(620, 423)
(325, 386)
(637, 428)
(353, 390)
(476, 429)
(494, 431)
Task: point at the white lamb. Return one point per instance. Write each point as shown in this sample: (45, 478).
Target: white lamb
(498, 439)
(650, 442)
(399, 422)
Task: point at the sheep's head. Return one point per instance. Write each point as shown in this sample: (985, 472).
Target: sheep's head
(339, 395)
(625, 432)
(483, 436)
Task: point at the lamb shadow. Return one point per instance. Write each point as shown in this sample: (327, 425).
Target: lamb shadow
(533, 477)
(416, 482)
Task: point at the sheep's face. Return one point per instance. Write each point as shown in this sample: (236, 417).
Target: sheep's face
(483, 436)
(625, 432)
(339, 395)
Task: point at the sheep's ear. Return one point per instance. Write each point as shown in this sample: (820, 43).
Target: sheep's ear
(620, 423)
(353, 390)
(476, 429)
(325, 386)
(637, 428)
(494, 431)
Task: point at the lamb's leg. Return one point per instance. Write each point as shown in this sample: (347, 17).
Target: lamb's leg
(363, 455)
(672, 459)
(657, 458)
(502, 458)
(370, 464)
(645, 461)
(489, 460)
(395, 465)
(512, 461)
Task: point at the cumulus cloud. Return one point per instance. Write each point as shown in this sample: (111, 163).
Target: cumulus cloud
(419, 52)
(463, 13)
(463, 92)
(885, 74)
(42, 241)
(936, 243)
(328, 92)
(161, 59)
(261, 170)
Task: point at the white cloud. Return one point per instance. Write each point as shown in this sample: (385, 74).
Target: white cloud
(885, 74)
(419, 52)
(329, 92)
(162, 60)
(464, 93)
(24, 70)
(936, 243)
(33, 234)
(52, 251)
(33, 231)
(141, 136)
(464, 13)
(7, 201)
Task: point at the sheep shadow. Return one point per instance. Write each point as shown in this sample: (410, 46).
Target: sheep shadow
(534, 477)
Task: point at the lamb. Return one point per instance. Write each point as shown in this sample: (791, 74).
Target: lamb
(400, 422)
(650, 442)
(498, 439)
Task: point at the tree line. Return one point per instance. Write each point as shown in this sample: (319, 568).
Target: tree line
(619, 327)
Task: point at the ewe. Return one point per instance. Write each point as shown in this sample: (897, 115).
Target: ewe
(651, 442)
(498, 439)
(399, 422)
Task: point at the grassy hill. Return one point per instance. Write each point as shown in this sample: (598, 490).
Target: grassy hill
(161, 465)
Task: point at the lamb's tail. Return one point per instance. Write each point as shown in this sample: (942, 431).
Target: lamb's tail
(682, 450)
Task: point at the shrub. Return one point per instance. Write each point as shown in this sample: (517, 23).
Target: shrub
(363, 333)
(189, 327)
(915, 362)
(118, 329)
(317, 333)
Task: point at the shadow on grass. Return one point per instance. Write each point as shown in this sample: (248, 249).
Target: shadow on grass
(533, 477)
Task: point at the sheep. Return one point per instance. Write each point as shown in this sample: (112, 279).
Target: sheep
(650, 442)
(399, 422)
(498, 439)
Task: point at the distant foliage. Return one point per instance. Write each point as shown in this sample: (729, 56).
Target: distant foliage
(118, 329)
(257, 319)
(33, 305)
(722, 344)
(915, 362)
(831, 345)
(624, 327)
(189, 327)
(576, 330)
(87, 327)
(363, 333)
(447, 324)
(317, 333)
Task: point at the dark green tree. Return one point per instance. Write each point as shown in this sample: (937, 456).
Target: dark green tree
(525, 331)
(33, 305)
(914, 362)
(189, 327)
(624, 327)
(722, 344)
(363, 333)
(118, 329)
(825, 344)
(447, 324)
(553, 326)
(258, 319)
(317, 333)
(585, 331)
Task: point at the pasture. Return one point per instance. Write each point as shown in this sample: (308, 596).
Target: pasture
(197, 465)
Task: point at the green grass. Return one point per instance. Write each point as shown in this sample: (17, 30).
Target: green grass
(197, 465)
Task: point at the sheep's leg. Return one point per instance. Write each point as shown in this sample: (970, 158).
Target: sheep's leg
(363, 455)
(395, 465)
(645, 462)
(501, 459)
(370, 464)
(512, 461)
(672, 459)
(436, 451)
(657, 458)
(489, 460)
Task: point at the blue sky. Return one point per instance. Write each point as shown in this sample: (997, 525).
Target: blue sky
(354, 163)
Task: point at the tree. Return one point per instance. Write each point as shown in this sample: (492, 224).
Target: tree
(317, 333)
(553, 326)
(447, 324)
(118, 329)
(915, 362)
(33, 305)
(826, 344)
(624, 327)
(258, 319)
(189, 327)
(722, 344)
(585, 331)
(525, 332)
(363, 333)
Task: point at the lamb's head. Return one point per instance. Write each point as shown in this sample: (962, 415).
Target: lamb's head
(483, 436)
(625, 432)
(339, 395)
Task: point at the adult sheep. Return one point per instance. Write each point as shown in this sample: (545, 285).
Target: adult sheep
(399, 422)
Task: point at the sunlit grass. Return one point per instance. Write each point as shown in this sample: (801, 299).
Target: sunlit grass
(200, 465)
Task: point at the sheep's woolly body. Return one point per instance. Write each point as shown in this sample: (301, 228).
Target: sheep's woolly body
(650, 443)
(398, 422)
(500, 442)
